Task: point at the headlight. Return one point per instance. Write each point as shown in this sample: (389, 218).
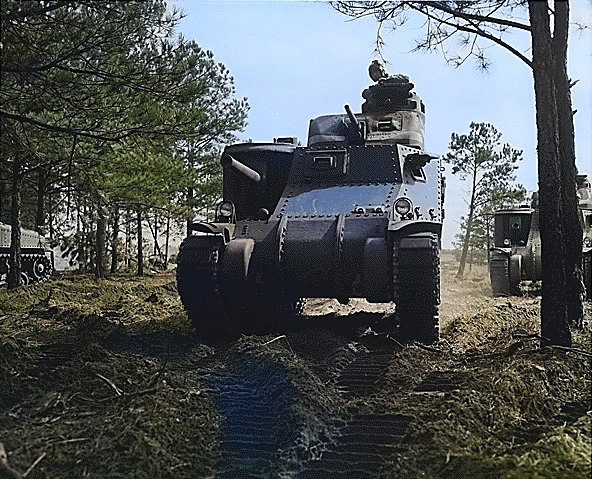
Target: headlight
(403, 206)
(588, 241)
(506, 242)
(226, 209)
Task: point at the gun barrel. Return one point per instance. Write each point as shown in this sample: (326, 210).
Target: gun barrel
(355, 123)
(236, 165)
(352, 117)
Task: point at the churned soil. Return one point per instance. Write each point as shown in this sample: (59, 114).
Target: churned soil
(105, 379)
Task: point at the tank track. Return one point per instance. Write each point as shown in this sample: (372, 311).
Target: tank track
(38, 266)
(264, 303)
(416, 278)
(198, 264)
(505, 274)
(587, 273)
(35, 267)
(499, 274)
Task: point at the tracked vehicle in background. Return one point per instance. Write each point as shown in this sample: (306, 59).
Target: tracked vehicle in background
(37, 261)
(585, 205)
(516, 253)
(357, 213)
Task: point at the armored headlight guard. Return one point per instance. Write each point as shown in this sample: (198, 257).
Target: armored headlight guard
(226, 209)
(403, 206)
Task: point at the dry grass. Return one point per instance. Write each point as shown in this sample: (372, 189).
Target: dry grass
(89, 411)
(102, 379)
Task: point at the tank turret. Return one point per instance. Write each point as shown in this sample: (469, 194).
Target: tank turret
(391, 114)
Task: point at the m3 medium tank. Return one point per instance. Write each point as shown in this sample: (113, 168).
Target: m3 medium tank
(357, 213)
(37, 261)
(515, 256)
(585, 205)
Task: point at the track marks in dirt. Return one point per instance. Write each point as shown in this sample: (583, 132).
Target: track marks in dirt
(361, 447)
(317, 399)
(254, 398)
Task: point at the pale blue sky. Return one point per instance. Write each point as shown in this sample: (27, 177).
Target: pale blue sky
(297, 60)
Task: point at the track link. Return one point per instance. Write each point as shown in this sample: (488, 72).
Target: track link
(416, 267)
(197, 281)
(587, 273)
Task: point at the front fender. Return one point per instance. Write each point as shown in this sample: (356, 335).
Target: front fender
(226, 230)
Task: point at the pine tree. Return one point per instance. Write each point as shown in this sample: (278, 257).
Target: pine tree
(489, 166)
(82, 77)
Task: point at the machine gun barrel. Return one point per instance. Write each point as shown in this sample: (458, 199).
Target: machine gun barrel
(352, 117)
(354, 121)
(236, 165)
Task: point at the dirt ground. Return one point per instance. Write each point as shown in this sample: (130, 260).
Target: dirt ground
(104, 379)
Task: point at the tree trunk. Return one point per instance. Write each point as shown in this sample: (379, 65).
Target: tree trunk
(101, 241)
(463, 258)
(50, 218)
(572, 229)
(189, 219)
(140, 247)
(14, 258)
(166, 244)
(128, 238)
(2, 196)
(115, 239)
(554, 321)
(84, 253)
(78, 239)
(155, 233)
(465, 249)
(41, 189)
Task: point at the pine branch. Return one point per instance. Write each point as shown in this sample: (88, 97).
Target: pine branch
(473, 29)
(442, 6)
